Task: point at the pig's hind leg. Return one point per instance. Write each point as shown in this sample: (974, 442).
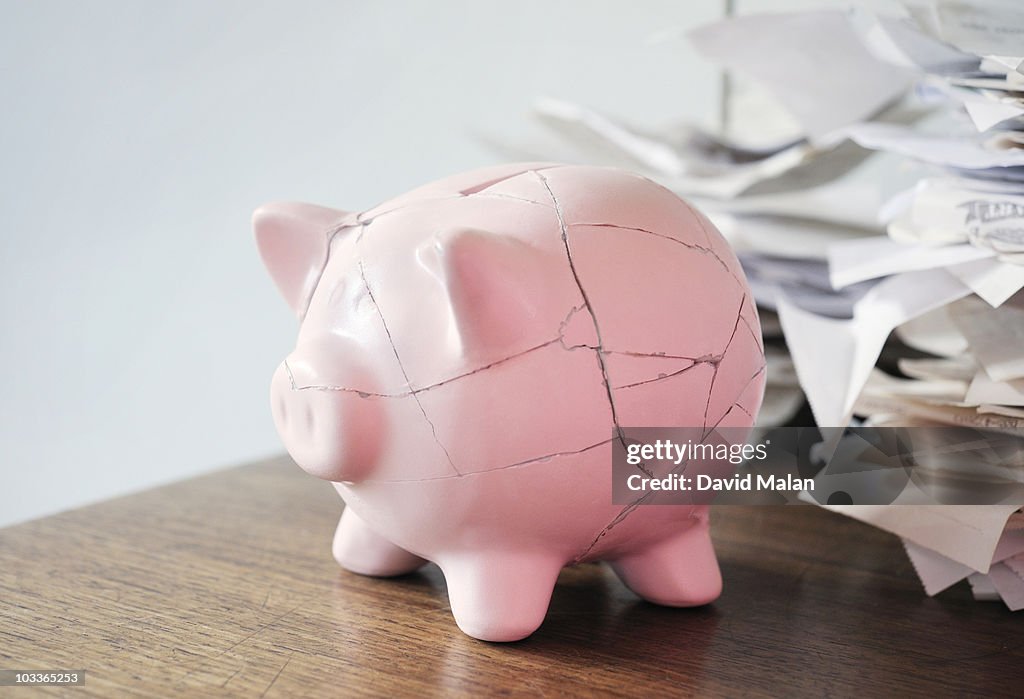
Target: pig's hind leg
(361, 550)
(680, 571)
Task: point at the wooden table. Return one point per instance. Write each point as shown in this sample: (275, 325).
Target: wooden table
(225, 585)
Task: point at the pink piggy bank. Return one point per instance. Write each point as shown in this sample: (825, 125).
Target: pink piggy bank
(469, 351)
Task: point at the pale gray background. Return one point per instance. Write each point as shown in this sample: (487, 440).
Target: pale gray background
(136, 136)
(139, 329)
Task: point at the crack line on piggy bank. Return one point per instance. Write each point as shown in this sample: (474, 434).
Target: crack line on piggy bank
(506, 467)
(364, 393)
(656, 355)
(725, 350)
(563, 327)
(590, 309)
(631, 507)
(414, 391)
(362, 223)
(699, 219)
(619, 518)
(742, 409)
(756, 335)
(700, 222)
(628, 509)
(406, 205)
(502, 195)
(474, 191)
(625, 512)
(387, 332)
(330, 233)
(691, 246)
(487, 184)
(662, 377)
(736, 403)
(757, 373)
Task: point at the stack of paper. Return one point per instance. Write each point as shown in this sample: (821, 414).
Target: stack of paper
(947, 278)
(894, 202)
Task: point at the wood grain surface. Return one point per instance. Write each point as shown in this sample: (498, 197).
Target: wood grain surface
(224, 585)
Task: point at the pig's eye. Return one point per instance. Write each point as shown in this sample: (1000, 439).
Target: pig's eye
(337, 299)
(348, 296)
(348, 302)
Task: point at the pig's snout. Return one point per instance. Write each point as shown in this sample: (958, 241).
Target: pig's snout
(319, 427)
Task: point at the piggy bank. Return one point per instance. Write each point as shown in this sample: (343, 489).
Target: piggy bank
(468, 353)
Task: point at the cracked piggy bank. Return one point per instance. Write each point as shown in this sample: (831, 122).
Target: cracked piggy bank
(469, 351)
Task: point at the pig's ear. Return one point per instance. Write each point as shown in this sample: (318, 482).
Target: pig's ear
(495, 285)
(292, 239)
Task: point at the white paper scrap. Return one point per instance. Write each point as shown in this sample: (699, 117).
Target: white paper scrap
(655, 154)
(961, 368)
(781, 237)
(1008, 65)
(901, 42)
(988, 214)
(805, 283)
(953, 151)
(992, 280)
(702, 165)
(801, 58)
(935, 333)
(845, 203)
(937, 572)
(988, 409)
(995, 335)
(1011, 544)
(967, 534)
(1009, 585)
(882, 385)
(851, 261)
(987, 113)
(982, 588)
(980, 28)
(984, 390)
(834, 358)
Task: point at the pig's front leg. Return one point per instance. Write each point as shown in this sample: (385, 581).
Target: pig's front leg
(361, 550)
(500, 596)
(680, 571)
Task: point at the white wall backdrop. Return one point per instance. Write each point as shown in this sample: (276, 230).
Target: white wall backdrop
(139, 330)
